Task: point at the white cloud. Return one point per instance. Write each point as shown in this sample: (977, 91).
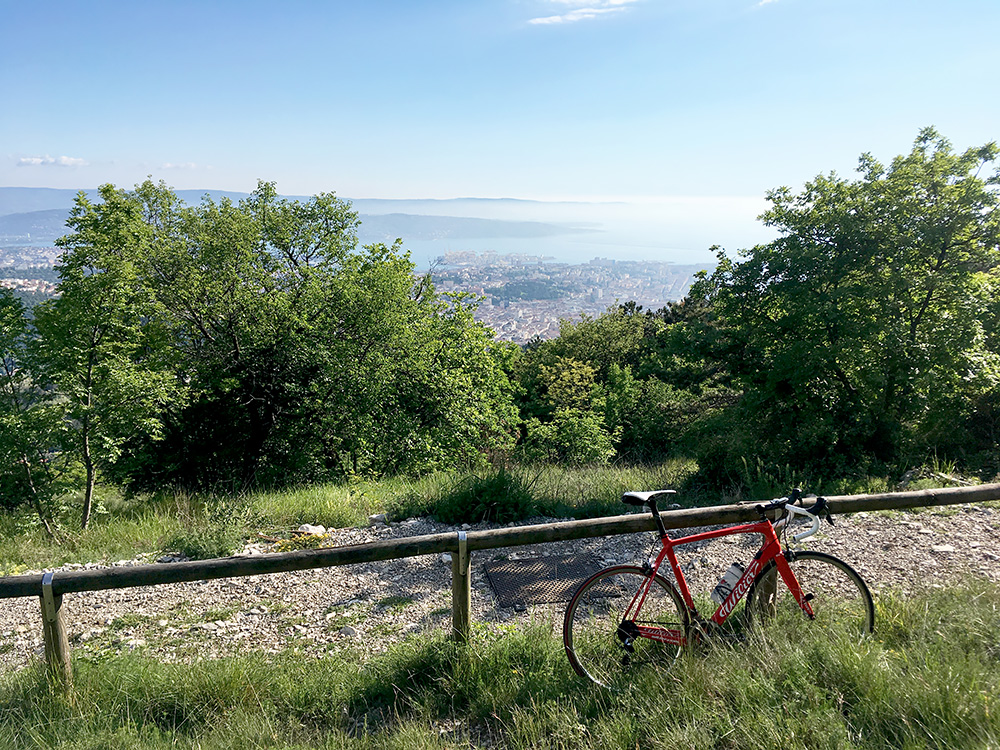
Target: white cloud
(184, 165)
(585, 11)
(762, 3)
(48, 161)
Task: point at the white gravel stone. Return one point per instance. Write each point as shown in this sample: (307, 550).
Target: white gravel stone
(308, 528)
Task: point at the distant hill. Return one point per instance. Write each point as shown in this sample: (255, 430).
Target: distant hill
(16, 200)
(46, 224)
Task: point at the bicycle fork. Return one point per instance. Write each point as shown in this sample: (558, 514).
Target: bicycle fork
(794, 588)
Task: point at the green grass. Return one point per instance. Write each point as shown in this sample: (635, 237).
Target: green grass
(930, 678)
(394, 603)
(120, 531)
(333, 506)
(204, 527)
(589, 492)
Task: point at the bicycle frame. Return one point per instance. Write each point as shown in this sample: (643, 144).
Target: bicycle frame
(770, 550)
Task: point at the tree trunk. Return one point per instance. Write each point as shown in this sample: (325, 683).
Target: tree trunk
(88, 495)
(35, 501)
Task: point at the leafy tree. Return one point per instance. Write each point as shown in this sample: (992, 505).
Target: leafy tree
(446, 399)
(242, 297)
(99, 342)
(572, 427)
(621, 395)
(650, 376)
(571, 436)
(568, 384)
(307, 356)
(614, 338)
(32, 425)
(866, 315)
(687, 348)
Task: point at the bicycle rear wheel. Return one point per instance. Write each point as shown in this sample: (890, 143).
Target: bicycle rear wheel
(605, 647)
(841, 603)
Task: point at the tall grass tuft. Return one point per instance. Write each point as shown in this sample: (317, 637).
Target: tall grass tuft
(331, 505)
(518, 492)
(120, 528)
(214, 528)
(592, 491)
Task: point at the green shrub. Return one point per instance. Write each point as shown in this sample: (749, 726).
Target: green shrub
(500, 496)
(219, 530)
(573, 436)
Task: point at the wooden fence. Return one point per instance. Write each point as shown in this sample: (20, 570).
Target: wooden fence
(51, 587)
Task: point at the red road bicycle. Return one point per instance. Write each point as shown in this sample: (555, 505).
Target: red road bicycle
(626, 617)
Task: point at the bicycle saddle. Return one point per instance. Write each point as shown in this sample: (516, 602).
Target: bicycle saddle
(643, 498)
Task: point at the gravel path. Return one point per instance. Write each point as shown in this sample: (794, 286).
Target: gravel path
(368, 606)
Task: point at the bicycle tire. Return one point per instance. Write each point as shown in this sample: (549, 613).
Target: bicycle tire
(591, 633)
(841, 602)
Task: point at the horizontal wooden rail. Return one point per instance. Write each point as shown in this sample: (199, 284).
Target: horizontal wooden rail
(74, 581)
(51, 587)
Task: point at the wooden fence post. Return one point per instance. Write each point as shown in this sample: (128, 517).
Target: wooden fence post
(56, 639)
(461, 590)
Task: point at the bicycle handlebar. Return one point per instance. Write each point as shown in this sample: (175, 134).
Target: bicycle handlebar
(814, 521)
(814, 513)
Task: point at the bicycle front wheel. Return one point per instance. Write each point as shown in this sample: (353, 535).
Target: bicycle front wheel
(839, 598)
(602, 635)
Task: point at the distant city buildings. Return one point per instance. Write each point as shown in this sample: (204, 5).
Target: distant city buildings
(525, 297)
(36, 286)
(24, 257)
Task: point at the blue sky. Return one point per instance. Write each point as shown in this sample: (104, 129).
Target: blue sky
(549, 99)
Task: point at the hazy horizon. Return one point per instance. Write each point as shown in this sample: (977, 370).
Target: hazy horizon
(677, 231)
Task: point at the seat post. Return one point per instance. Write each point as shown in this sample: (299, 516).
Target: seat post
(661, 530)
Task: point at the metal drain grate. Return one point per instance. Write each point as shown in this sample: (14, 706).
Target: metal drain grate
(540, 580)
